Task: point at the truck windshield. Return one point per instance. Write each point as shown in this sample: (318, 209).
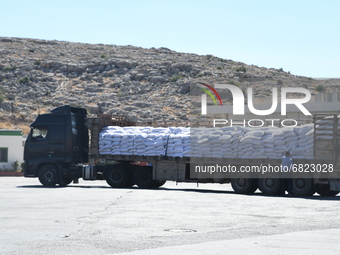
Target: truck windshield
(39, 132)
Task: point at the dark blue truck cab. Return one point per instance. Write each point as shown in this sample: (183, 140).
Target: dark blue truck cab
(57, 141)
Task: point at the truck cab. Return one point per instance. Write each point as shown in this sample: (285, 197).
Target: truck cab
(56, 141)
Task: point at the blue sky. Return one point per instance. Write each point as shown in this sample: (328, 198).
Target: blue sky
(299, 36)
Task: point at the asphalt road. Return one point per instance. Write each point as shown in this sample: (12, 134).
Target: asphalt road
(92, 218)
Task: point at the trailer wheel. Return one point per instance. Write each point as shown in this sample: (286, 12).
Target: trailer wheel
(324, 191)
(48, 175)
(269, 186)
(143, 177)
(117, 176)
(244, 185)
(303, 187)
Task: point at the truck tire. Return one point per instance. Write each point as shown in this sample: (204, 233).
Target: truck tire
(65, 181)
(324, 191)
(303, 187)
(244, 185)
(117, 176)
(143, 177)
(48, 175)
(157, 184)
(269, 186)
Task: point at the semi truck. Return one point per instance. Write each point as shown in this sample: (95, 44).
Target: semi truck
(63, 146)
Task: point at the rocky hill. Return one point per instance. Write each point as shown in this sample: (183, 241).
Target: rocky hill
(143, 84)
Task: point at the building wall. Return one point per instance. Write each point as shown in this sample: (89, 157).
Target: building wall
(12, 139)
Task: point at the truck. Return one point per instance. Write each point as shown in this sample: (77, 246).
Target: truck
(63, 146)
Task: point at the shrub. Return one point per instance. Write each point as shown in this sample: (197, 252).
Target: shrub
(37, 62)
(320, 88)
(24, 80)
(15, 165)
(9, 68)
(241, 69)
(176, 78)
(236, 83)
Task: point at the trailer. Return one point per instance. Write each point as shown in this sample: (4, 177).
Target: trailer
(63, 146)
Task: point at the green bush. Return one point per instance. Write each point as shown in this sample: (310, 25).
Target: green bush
(24, 80)
(320, 88)
(176, 78)
(9, 68)
(241, 69)
(37, 62)
(236, 83)
(15, 165)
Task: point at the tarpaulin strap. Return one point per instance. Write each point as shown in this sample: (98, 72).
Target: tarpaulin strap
(167, 143)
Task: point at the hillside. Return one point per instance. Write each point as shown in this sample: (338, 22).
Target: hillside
(143, 84)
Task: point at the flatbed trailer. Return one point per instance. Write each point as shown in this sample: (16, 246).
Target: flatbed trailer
(63, 146)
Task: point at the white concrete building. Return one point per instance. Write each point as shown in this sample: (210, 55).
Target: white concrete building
(11, 148)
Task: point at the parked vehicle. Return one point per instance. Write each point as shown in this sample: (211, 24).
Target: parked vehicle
(63, 146)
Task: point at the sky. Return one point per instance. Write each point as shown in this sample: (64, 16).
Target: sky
(299, 36)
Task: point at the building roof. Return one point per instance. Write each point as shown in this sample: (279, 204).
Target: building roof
(10, 132)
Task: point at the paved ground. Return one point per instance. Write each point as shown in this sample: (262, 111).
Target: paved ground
(91, 218)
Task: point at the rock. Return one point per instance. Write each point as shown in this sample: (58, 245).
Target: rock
(142, 104)
(130, 108)
(6, 106)
(93, 88)
(157, 79)
(93, 109)
(11, 96)
(184, 89)
(182, 67)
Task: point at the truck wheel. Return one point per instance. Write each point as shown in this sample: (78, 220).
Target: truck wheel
(244, 185)
(157, 184)
(65, 181)
(269, 186)
(303, 187)
(143, 177)
(117, 176)
(48, 175)
(324, 191)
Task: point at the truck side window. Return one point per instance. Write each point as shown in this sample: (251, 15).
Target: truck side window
(39, 133)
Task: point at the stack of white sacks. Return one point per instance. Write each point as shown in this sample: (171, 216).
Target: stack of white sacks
(325, 128)
(145, 141)
(245, 142)
(225, 142)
